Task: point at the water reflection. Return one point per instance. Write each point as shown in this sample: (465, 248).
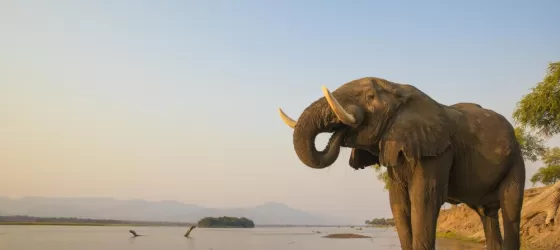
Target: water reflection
(190, 242)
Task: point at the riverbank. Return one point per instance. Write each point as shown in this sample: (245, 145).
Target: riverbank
(462, 223)
(454, 236)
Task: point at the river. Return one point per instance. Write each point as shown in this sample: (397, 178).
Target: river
(170, 238)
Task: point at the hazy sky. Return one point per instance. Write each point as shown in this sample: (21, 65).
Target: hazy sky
(177, 99)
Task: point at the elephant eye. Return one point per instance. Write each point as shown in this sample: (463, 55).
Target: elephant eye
(370, 96)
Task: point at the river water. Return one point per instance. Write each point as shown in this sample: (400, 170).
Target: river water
(170, 238)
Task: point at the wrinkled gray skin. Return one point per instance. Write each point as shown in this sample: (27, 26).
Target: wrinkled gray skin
(434, 153)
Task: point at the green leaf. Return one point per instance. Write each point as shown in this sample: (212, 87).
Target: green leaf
(540, 109)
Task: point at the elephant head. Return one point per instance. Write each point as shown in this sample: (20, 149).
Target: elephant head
(383, 122)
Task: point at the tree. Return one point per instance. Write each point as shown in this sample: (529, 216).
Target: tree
(547, 175)
(551, 173)
(381, 222)
(540, 109)
(382, 175)
(552, 156)
(532, 146)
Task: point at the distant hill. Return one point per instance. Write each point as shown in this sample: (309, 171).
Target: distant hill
(270, 213)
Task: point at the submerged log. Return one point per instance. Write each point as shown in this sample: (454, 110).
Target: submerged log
(189, 231)
(134, 234)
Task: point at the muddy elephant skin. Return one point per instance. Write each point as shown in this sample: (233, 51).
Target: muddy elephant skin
(434, 153)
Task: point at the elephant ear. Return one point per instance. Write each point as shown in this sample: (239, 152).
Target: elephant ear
(420, 128)
(359, 159)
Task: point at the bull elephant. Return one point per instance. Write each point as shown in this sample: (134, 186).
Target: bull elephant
(433, 153)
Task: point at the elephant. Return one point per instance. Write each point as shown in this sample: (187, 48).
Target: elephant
(433, 153)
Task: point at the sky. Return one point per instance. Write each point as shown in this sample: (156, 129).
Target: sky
(177, 100)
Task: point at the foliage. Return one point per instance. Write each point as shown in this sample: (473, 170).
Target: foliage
(532, 146)
(540, 109)
(552, 156)
(226, 221)
(381, 222)
(551, 173)
(547, 175)
(382, 175)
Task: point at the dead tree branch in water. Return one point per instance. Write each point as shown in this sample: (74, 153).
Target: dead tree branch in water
(134, 234)
(189, 231)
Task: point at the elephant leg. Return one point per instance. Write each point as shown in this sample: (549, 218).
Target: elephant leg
(400, 207)
(428, 191)
(492, 232)
(511, 201)
(489, 218)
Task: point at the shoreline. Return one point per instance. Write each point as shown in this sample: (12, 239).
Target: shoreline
(454, 236)
(34, 223)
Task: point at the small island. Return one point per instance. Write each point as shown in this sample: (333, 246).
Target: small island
(225, 222)
(381, 222)
(347, 236)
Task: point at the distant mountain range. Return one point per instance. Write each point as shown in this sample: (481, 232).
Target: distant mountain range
(270, 213)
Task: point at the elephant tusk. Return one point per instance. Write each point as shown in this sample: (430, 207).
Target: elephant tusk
(289, 121)
(338, 110)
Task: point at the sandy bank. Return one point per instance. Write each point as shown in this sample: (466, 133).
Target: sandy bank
(346, 236)
(540, 206)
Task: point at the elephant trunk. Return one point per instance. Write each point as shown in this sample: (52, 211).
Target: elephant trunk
(315, 119)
